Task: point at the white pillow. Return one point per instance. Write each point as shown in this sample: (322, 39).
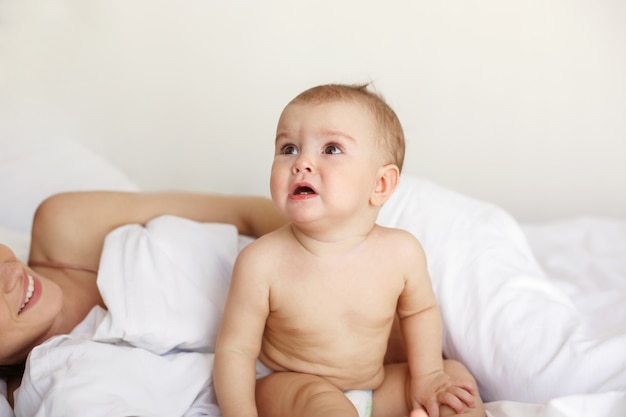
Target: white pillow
(32, 170)
(520, 336)
(5, 408)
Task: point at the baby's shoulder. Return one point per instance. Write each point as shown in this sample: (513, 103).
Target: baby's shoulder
(398, 235)
(270, 243)
(399, 241)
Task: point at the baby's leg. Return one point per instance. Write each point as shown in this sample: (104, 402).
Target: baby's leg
(392, 398)
(288, 394)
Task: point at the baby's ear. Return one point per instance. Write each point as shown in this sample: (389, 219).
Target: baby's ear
(386, 183)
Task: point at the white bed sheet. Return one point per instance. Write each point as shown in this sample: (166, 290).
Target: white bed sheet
(522, 336)
(586, 258)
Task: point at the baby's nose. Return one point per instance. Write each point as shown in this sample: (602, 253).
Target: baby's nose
(302, 164)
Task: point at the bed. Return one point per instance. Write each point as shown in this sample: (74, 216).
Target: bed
(537, 311)
(517, 103)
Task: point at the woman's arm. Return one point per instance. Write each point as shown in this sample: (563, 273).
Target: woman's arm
(71, 227)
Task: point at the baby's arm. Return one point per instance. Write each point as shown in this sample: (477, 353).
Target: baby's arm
(421, 325)
(240, 336)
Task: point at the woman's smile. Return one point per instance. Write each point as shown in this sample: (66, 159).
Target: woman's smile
(30, 296)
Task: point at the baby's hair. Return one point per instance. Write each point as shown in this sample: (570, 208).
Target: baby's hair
(392, 135)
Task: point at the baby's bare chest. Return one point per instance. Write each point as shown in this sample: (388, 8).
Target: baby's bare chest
(307, 299)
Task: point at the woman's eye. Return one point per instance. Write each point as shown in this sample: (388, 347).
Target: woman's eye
(289, 150)
(332, 150)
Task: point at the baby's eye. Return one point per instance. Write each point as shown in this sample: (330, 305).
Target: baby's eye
(332, 150)
(289, 150)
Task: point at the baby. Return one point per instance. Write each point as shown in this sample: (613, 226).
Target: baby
(312, 305)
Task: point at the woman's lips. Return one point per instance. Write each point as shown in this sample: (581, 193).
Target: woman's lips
(32, 293)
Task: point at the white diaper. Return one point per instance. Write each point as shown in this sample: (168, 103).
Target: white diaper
(262, 370)
(361, 399)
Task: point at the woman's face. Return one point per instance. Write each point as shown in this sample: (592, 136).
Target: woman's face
(29, 305)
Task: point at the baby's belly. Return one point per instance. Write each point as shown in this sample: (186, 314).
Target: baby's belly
(347, 363)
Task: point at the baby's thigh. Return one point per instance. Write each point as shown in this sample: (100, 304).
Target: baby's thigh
(288, 394)
(392, 397)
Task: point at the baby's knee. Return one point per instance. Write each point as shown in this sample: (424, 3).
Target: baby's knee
(456, 369)
(324, 397)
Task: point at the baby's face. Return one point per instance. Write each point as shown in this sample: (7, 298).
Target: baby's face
(326, 160)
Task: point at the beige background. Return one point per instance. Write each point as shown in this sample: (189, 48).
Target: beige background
(522, 103)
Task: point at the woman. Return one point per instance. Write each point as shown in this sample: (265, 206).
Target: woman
(57, 289)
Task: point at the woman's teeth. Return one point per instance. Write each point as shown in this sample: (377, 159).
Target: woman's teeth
(29, 292)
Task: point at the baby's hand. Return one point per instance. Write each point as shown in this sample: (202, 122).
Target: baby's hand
(429, 392)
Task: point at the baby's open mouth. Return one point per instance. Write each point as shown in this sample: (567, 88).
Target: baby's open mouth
(303, 190)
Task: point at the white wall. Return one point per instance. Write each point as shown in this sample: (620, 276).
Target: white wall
(522, 103)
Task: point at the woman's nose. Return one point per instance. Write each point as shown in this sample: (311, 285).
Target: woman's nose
(10, 272)
(10, 269)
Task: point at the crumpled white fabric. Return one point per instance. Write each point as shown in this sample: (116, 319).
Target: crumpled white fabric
(150, 354)
(5, 408)
(522, 336)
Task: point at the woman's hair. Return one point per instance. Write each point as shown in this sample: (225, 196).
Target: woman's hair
(392, 135)
(12, 371)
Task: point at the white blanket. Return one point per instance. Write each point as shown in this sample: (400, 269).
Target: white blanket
(519, 332)
(149, 355)
(544, 339)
